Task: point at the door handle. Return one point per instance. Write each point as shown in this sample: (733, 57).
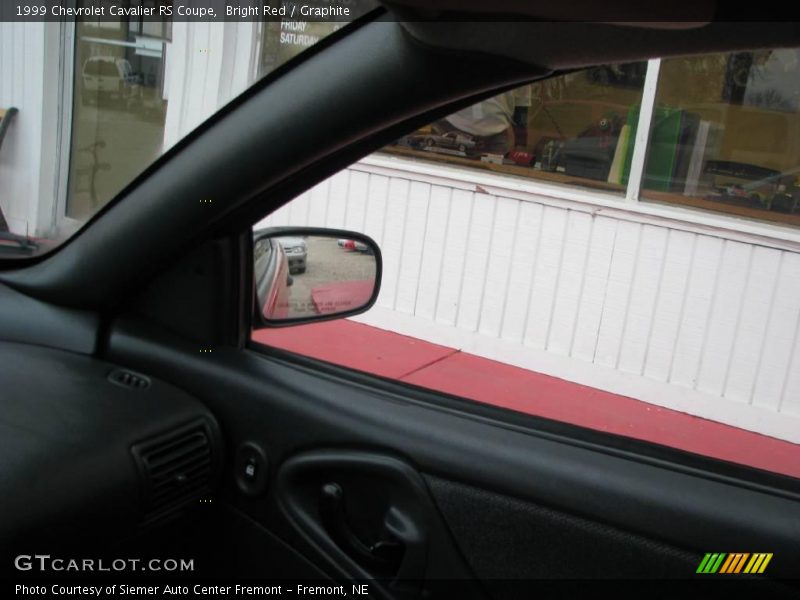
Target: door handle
(385, 555)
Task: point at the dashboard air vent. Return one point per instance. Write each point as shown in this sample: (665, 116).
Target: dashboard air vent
(129, 379)
(176, 469)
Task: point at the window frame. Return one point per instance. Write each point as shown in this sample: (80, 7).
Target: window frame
(460, 175)
(61, 223)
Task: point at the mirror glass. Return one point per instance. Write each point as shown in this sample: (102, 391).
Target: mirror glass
(302, 277)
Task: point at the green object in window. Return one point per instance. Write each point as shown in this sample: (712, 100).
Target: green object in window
(670, 146)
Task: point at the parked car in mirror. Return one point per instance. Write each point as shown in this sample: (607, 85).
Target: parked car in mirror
(337, 284)
(272, 278)
(296, 252)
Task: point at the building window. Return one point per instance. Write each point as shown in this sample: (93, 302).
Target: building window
(283, 40)
(121, 84)
(119, 109)
(725, 135)
(573, 129)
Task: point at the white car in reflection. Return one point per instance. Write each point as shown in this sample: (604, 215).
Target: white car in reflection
(108, 77)
(353, 245)
(296, 252)
(452, 140)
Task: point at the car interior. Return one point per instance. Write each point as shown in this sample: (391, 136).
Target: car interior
(138, 418)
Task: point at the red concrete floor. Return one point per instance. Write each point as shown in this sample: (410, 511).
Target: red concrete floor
(421, 363)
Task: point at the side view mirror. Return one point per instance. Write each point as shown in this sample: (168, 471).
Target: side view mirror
(309, 274)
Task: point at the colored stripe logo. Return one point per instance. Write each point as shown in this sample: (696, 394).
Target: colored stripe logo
(734, 562)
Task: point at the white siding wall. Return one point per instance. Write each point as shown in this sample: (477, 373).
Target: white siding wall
(29, 78)
(687, 320)
(208, 65)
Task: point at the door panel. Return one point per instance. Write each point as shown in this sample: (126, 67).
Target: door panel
(529, 541)
(509, 495)
(371, 514)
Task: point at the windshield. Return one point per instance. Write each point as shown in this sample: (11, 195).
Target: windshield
(118, 94)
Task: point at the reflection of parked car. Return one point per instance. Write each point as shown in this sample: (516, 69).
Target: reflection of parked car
(272, 278)
(450, 141)
(353, 245)
(755, 186)
(107, 76)
(296, 253)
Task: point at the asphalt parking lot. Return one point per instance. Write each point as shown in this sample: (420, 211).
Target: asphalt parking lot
(326, 263)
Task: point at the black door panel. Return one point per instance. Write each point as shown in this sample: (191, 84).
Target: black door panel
(371, 515)
(507, 538)
(666, 516)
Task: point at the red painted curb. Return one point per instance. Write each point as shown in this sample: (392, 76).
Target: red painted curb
(421, 363)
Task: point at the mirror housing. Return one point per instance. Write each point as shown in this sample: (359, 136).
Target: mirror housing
(312, 274)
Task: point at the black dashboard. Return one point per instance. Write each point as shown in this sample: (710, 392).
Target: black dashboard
(92, 450)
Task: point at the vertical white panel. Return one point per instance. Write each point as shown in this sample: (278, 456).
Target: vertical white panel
(696, 310)
(647, 277)
(298, 209)
(570, 282)
(724, 317)
(790, 400)
(413, 243)
(520, 277)
(192, 108)
(263, 223)
(20, 136)
(337, 199)
(751, 329)
(669, 306)
(318, 204)
(356, 202)
(434, 252)
(476, 261)
(13, 168)
(179, 66)
(6, 61)
(643, 130)
(495, 288)
(618, 290)
(28, 150)
(280, 218)
(545, 277)
(208, 63)
(779, 344)
(375, 221)
(42, 215)
(396, 206)
(598, 266)
(238, 48)
(29, 81)
(31, 60)
(454, 253)
(213, 53)
(247, 42)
